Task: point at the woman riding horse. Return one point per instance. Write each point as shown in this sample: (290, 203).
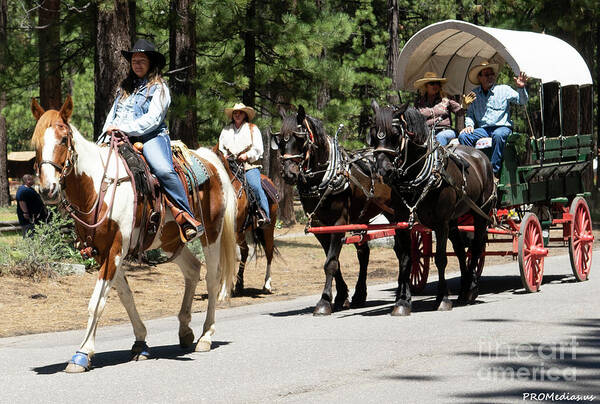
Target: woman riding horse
(139, 111)
(439, 185)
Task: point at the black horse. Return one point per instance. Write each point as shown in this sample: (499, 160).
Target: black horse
(335, 188)
(438, 185)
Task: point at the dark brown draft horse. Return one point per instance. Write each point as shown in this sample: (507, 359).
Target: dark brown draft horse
(315, 163)
(437, 184)
(72, 171)
(244, 224)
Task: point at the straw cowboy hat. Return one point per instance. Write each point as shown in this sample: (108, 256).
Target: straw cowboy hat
(240, 107)
(474, 72)
(148, 48)
(429, 77)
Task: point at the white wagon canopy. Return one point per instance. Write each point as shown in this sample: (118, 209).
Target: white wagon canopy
(450, 48)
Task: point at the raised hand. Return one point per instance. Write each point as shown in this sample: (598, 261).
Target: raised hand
(468, 100)
(521, 80)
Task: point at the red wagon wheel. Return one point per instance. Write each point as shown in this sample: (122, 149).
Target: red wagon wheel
(531, 253)
(480, 263)
(581, 240)
(420, 260)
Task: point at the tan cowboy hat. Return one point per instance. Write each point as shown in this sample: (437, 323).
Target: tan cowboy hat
(474, 72)
(428, 78)
(240, 107)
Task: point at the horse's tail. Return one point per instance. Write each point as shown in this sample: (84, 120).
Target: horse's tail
(227, 258)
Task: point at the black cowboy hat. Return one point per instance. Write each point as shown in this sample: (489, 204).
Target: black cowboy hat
(147, 47)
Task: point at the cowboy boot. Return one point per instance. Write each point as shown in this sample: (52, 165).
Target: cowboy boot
(189, 227)
(263, 220)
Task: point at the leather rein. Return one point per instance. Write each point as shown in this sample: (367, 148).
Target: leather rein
(66, 169)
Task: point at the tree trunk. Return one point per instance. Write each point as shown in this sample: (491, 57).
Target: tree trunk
(49, 54)
(324, 93)
(182, 49)
(4, 191)
(393, 46)
(250, 54)
(132, 21)
(111, 37)
(286, 204)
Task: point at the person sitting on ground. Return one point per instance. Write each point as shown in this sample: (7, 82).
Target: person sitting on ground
(436, 107)
(489, 114)
(30, 207)
(139, 111)
(242, 141)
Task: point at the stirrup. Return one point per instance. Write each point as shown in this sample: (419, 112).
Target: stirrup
(190, 232)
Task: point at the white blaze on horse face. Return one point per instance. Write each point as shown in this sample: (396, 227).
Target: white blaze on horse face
(48, 173)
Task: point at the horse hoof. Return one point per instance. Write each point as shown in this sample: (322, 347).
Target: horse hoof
(73, 368)
(342, 306)
(140, 351)
(267, 288)
(472, 296)
(79, 363)
(445, 305)
(186, 341)
(358, 303)
(323, 308)
(238, 290)
(139, 357)
(203, 346)
(401, 310)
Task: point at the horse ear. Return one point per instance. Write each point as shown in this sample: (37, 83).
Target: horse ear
(301, 114)
(375, 106)
(67, 109)
(36, 109)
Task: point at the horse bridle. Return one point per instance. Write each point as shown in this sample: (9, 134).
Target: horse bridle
(66, 168)
(306, 133)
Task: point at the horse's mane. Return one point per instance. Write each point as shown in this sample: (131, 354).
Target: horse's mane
(43, 123)
(289, 124)
(415, 122)
(384, 118)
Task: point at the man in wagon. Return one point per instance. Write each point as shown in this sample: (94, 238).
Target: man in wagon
(489, 114)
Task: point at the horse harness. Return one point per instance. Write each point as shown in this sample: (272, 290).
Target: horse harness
(337, 175)
(432, 174)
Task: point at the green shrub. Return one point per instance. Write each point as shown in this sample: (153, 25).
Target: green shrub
(37, 256)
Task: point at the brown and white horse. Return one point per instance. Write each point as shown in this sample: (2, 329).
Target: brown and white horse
(244, 225)
(73, 169)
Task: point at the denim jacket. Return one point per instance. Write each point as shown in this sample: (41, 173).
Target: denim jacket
(142, 114)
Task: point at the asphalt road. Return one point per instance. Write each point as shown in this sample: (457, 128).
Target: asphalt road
(507, 345)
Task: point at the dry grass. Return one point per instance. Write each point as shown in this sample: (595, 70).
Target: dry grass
(61, 304)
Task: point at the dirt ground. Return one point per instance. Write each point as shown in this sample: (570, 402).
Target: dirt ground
(61, 304)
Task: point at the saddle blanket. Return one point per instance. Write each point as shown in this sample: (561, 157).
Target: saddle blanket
(192, 168)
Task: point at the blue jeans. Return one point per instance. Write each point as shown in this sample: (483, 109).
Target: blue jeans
(157, 152)
(499, 134)
(253, 178)
(444, 136)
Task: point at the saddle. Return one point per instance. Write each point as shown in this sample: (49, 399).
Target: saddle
(192, 173)
(273, 196)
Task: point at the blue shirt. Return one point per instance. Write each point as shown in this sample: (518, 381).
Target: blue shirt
(123, 114)
(492, 109)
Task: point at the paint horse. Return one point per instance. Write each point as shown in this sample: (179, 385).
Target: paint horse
(244, 224)
(314, 162)
(73, 170)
